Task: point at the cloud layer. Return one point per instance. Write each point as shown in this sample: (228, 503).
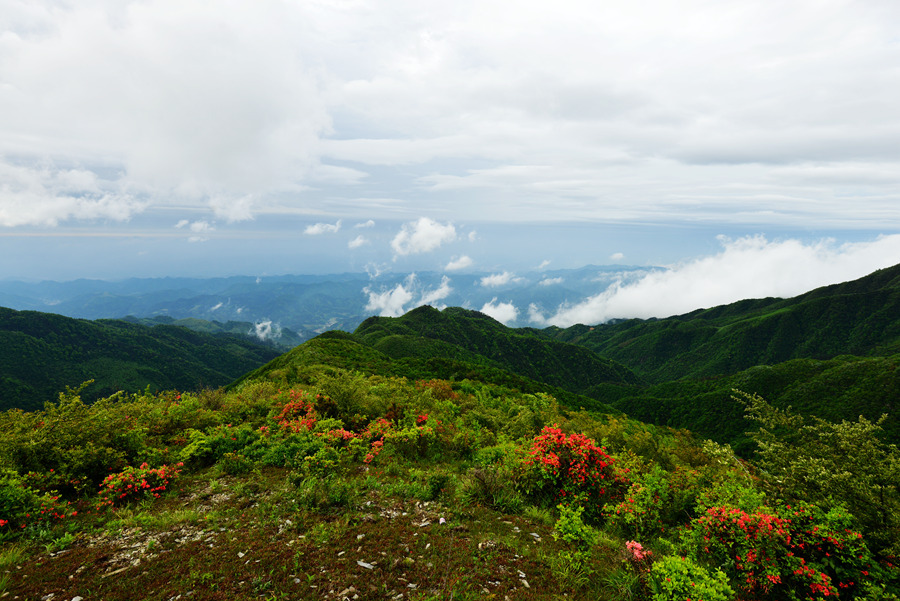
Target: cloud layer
(750, 267)
(650, 111)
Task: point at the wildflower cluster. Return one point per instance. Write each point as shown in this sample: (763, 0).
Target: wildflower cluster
(801, 552)
(637, 554)
(298, 414)
(751, 546)
(571, 469)
(136, 482)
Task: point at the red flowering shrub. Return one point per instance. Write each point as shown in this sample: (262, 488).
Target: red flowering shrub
(298, 413)
(801, 553)
(570, 469)
(825, 551)
(136, 482)
(751, 547)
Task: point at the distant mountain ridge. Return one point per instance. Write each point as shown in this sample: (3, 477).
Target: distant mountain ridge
(306, 304)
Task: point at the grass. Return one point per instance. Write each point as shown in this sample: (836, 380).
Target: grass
(262, 541)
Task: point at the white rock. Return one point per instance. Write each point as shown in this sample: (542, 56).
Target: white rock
(365, 565)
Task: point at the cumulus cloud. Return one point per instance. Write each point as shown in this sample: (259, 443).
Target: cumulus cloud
(498, 279)
(748, 267)
(502, 312)
(544, 263)
(616, 257)
(550, 281)
(458, 263)
(394, 302)
(358, 241)
(369, 223)
(424, 235)
(322, 228)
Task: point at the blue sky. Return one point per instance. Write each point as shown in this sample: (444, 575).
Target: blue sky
(157, 138)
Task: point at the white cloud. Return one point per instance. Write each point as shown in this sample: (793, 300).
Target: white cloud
(199, 229)
(458, 263)
(184, 100)
(396, 301)
(430, 297)
(498, 279)
(358, 241)
(182, 223)
(322, 228)
(422, 236)
(550, 281)
(502, 312)
(750, 267)
(265, 330)
(216, 307)
(556, 111)
(616, 257)
(369, 223)
(544, 263)
(46, 195)
(473, 235)
(388, 303)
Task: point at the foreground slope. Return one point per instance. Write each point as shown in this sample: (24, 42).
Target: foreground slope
(42, 353)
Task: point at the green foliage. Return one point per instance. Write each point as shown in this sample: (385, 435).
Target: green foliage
(22, 505)
(827, 463)
(675, 578)
(570, 527)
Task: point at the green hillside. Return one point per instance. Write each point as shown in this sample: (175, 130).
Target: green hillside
(854, 318)
(458, 344)
(42, 353)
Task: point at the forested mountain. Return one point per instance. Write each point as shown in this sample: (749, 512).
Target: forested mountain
(460, 344)
(42, 353)
(861, 318)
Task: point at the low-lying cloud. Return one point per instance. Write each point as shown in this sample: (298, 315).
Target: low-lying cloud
(502, 312)
(749, 267)
(456, 264)
(498, 279)
(266, 330)
(394, 302)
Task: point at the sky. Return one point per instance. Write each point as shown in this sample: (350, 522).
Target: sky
(744, 146)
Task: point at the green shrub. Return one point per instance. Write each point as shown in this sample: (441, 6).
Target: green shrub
(675, 578)
(21, 505)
